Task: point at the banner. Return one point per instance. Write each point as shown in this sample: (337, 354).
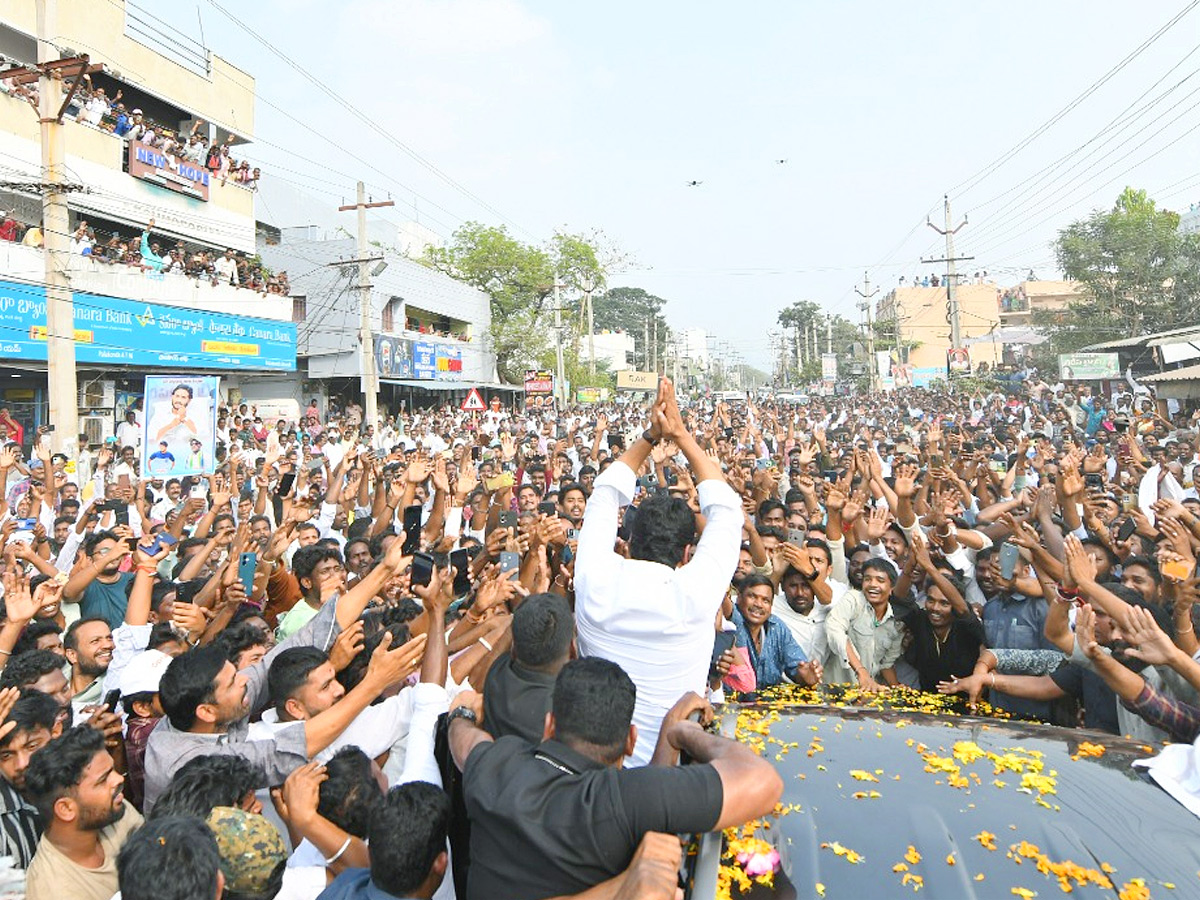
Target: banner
(958, 361)
(539, 381)
(436, 361)
(127, 332)
(629, 380)
(393, 357)
(829, 367)
(181, 425)
(174, 174)
(591, 395)
(1088, 366)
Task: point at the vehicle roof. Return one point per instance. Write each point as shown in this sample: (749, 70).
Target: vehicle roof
(1101, 813)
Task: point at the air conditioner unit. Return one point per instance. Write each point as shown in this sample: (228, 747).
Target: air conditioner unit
(98, 395)
(97, 428)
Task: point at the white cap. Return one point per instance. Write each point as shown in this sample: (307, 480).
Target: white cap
(144, 672)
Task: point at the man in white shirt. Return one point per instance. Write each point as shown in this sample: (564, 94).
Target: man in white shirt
(129, 433)
(226, 267)
(654, 614)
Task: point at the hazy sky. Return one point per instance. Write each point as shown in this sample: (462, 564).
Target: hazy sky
(585, 115)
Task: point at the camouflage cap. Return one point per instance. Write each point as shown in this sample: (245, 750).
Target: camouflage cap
(251, 848)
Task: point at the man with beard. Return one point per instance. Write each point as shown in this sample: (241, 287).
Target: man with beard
(98, 586)
(89, 650)
(572, 503)
(35, 723)
(78, 792)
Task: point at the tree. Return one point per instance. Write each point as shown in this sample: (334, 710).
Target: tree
(633, 310)
(1139, 273)
(517, 278)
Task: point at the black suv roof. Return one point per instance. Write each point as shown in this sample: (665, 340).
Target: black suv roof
(877, 794)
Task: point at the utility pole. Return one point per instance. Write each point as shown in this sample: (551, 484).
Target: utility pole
(587, 294)
(654, 344)
(866, 293)
(646, 345)
(370, 376)
(951, 273)
(560, 386)
(829, 334)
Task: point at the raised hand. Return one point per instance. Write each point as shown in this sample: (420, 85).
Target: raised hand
(877, 524)
(388, 666)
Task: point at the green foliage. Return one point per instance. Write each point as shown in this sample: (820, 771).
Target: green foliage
(632, 310)
(1141, 275)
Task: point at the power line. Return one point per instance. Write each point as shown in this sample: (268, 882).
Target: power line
(367, 120)
(975, 179)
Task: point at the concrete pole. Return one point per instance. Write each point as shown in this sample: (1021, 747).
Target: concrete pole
(370, 386)
(952, 282)
(560, 383)
(591, 335)
(60, 308)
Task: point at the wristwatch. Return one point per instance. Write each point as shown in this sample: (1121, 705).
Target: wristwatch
(648, 438)
(462, 712)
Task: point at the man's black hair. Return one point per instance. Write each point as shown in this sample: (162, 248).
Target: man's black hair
(408, 832)
(593, 705)
(55, 770)
(1113, 559)
(771, 531)
(289, 671)
(1146, 562)
(237, 639)
(818, 544)
(27, 668)
(886, 566)
(190, 680)
(767, 507)
(663, 528)
(205, 782)
(542, 628)
(571, 486)
(34, 632)
(306, 559)
(794, 495)
(308, 525)
(260, 518)
(159, 592)
(350, 794)
(71, 637)
(163, 633)
(755, 580)
(95, 539)
(33, 709)
(171, 858)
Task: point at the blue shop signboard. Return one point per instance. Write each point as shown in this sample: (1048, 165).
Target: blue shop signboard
(126, 332)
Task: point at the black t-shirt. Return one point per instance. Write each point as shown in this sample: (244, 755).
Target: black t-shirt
(516, 700)
(546, 820)
(936, 661)
(1099, 701)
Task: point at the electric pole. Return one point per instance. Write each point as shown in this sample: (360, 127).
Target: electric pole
(587, 294)
(829, 334)
(654, 344)
(370, 376)
(56, 237)
(559, 381)
(951, 273)
(866, 293)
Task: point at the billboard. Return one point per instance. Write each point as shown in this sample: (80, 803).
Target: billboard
(393, 357)
(181, 425)
(174, 174)
(436, 361)
(629, 380)
(539, 381)
(829, 368)
(958, 361)
(1088, 366)
(127, 332)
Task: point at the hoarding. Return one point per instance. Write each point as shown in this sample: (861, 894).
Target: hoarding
(1088, 366)
(127, 332)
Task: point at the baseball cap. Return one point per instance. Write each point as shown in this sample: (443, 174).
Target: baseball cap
(144, 672)
(250, 846)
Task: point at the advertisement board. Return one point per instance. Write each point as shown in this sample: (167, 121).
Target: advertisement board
(436, 361)
(629, 380)
(393, 357)
(126, 332)
(539, 381)
(958, 361)
(181, 425)
(829, 367)
(1088, 366)
(152, 165)
(591, 395)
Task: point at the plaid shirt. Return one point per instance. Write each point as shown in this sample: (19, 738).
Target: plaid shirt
(1180, 720)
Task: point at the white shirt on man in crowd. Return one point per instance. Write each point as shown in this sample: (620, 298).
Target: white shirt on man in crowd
(657, 623)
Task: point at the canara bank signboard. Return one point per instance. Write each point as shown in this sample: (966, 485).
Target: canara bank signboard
(125, 332)
(174, 174)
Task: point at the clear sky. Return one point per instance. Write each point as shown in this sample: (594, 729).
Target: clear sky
(594, 116)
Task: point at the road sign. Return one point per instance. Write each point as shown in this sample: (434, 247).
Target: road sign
(474, 402)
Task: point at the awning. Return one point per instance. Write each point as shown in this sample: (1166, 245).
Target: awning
(1011, 335)
(449, 385)
(1177, 384)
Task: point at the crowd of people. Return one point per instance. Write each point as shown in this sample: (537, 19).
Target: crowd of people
(92, 106)
(144, 253)
(410, 658)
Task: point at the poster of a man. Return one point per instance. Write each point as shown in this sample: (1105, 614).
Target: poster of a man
(181, 413)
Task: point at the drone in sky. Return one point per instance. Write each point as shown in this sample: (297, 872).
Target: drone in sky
(694, 183)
